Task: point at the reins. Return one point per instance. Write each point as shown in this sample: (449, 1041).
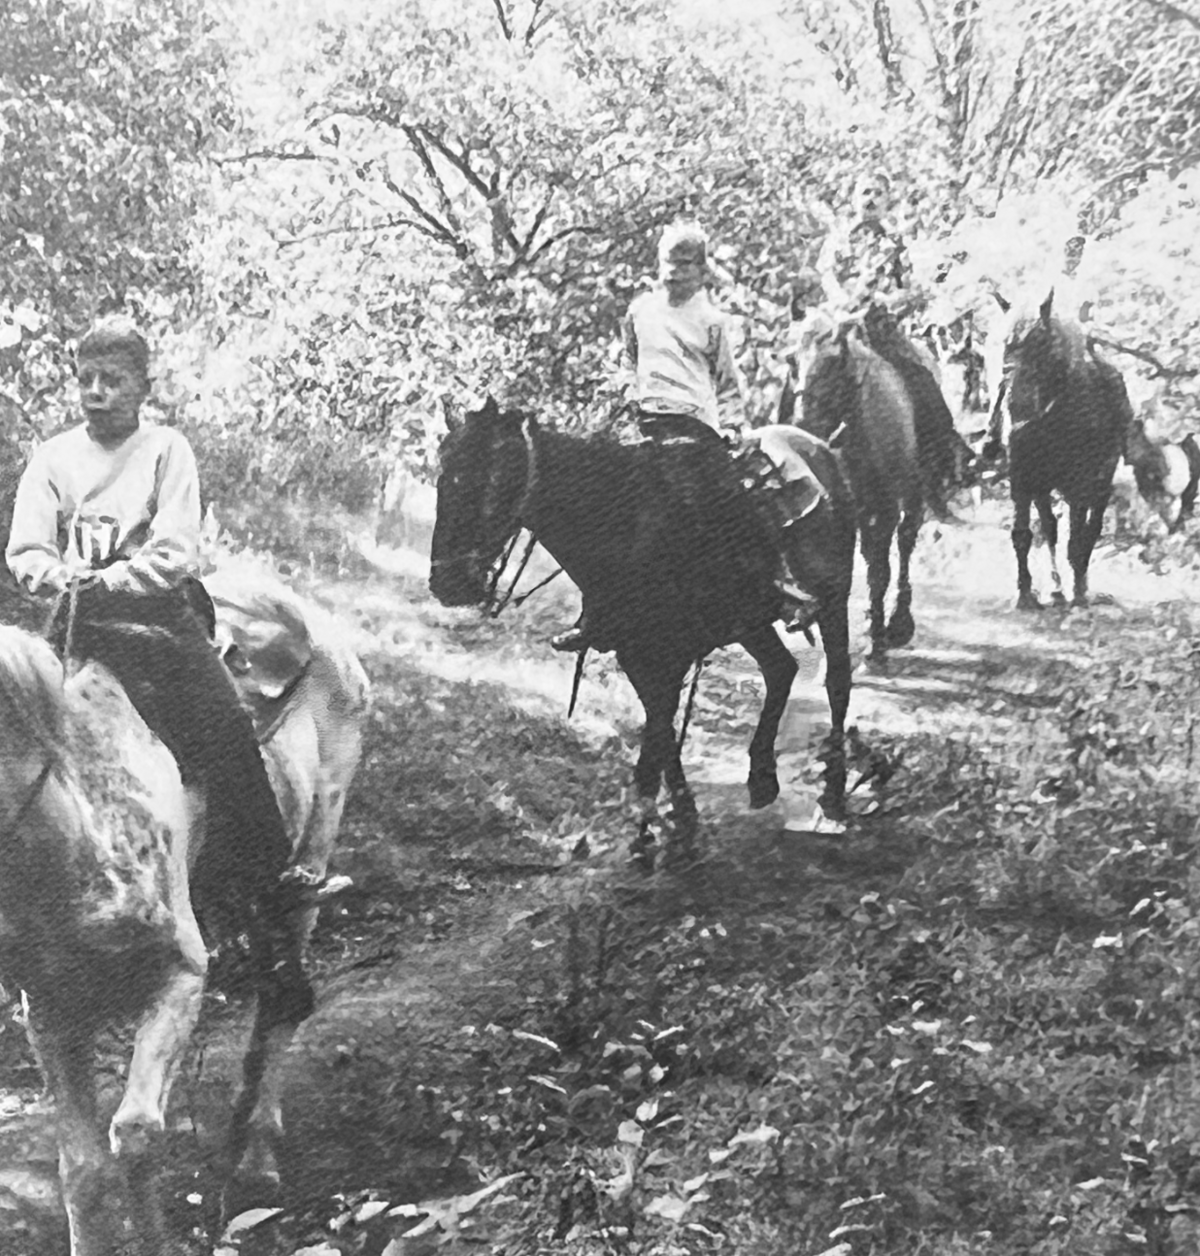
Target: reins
(11, 829)
(691, 700)
(494, 605)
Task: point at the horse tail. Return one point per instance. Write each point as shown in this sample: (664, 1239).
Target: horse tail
(31, 692)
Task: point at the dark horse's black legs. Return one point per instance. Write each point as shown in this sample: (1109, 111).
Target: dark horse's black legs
(901, 627)
(658, 683)
(877, 532)
(779, 670)
(1086, 522)
(1022, 539)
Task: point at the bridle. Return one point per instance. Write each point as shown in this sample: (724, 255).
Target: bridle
(493, 604)
(13, 826)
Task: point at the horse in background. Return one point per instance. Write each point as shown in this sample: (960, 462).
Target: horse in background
(1167, 473)
(857, 402)
(660, 550)
(1070, 416)
(97, 924)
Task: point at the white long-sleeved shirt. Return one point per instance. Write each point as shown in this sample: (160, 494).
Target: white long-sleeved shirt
(680, 356)
(133, 510)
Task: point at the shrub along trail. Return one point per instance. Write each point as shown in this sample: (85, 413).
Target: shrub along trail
(964, 1025)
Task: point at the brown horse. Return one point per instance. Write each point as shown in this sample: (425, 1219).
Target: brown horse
(855, 399)
(97, 838)
(656, 544)
(1070, 418)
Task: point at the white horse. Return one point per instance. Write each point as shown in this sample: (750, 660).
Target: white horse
(97, 835)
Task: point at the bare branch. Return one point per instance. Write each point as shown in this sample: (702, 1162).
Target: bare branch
(268, 154)
(885, 45)
(538, 219)
(1160, 368)
(416, 138)
(535, 24)
(435, 227)
(503, 16)
(366, 229)
(489, 190)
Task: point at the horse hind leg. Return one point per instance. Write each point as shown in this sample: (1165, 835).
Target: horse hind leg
(901, 627)
(876, 546)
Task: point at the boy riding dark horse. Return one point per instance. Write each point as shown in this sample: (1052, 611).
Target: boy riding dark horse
(680, 374)
(865, 269)
(107, 522)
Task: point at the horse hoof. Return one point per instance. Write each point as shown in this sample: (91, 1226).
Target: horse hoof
(876, 663)
(900, 631)
(763, 788)
(1058, 599)
(1027, 602)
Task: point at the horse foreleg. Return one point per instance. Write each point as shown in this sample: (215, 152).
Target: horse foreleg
(1086, 523)
(658, 685)
(165, 1031)
(901, 627)
(93, 1188)
(778, 669)
(834, 622)
(1022, 539)
(1049, 524)
(158, 1050)
(877, 534)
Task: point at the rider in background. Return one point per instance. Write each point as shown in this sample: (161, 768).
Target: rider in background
(679, 373)
(107, 521)
(865, 271)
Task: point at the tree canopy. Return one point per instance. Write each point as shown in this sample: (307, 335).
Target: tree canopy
(341, 220)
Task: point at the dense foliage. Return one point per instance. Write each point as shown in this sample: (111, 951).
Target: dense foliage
(339, 225)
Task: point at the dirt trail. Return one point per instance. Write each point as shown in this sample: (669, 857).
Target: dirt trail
(405, 984)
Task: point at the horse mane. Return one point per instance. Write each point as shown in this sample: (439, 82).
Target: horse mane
(31, 691)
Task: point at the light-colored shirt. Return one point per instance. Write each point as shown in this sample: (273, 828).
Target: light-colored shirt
(862, 262)
(133, 510)
(680, 356)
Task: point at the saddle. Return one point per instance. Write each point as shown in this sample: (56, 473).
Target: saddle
(266, 648)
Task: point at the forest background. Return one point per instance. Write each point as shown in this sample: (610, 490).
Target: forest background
(339, 220)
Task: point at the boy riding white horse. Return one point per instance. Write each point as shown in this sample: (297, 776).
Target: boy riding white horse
(107, 522)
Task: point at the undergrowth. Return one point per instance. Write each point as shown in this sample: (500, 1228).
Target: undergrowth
(990, 1051)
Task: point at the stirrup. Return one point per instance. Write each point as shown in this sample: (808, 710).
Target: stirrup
(800, 609)
(573, 641)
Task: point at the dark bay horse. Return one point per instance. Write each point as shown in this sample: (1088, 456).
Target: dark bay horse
(854, 398)
(1070, 417)
(656, 551)
(98, 836)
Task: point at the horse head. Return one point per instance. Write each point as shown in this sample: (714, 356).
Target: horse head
(484, 470)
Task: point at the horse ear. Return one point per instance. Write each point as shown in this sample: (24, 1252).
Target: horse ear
(491, 409)
(1046, 308)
